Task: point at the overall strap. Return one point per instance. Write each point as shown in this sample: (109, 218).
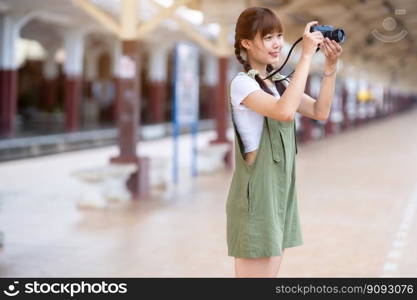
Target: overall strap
(237, 136)
(231, 111)
(281, 89)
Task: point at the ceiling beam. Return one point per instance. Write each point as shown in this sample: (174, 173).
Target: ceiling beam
(163, 14)
(102, 17)
(220, 47)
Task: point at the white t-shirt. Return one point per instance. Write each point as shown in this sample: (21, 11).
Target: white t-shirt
(248, 122)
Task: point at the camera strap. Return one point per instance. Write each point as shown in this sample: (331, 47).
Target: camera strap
(282, 66)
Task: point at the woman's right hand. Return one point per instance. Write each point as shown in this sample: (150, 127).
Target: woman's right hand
(311, 40)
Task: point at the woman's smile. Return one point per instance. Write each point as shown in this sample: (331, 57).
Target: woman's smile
(274, 54)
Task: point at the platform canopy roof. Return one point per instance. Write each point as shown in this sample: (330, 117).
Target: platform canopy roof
(381, 34)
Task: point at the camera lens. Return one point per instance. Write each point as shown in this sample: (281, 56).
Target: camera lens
(338, 35)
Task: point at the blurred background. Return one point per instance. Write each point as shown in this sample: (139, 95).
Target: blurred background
(90, 141)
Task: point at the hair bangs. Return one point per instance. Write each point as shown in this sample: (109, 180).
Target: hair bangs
(267, 23)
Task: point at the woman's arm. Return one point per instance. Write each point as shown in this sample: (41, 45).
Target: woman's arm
(285, 109)
(320, 109)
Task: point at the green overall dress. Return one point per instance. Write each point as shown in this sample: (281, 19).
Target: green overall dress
(261, 207)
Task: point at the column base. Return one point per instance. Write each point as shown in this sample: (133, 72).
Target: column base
(138, 183)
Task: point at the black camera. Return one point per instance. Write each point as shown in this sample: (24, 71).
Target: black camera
(337, 34)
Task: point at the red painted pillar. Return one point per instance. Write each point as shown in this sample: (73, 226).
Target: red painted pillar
(209, 101)
(117, 101)
(8, 102)
(50, 93)
(157, 95)
(72, 102)
(129, 119)
(346, 121)
(221, 109)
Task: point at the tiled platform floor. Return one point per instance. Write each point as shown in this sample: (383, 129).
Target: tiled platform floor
(355, 190)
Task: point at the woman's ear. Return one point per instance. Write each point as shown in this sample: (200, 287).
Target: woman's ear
(246, 44)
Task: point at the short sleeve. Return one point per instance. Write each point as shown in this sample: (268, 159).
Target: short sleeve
(286, 82)
(240, 87)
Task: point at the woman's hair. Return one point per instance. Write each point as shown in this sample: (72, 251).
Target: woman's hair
(251, 21)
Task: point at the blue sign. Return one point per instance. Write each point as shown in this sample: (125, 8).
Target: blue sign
(186, 99)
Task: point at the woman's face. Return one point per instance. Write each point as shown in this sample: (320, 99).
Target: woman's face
(265, 50)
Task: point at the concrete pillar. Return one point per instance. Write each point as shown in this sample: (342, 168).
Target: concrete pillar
(371, 103)
(220, 105)
(158, 57)
(387, 100)
(210, 67)
(128, 90)
(93, 108)
(116, 52)
(91, 67)
(394, 99)
(9, 32)
(361, 105)
(89, 75)
(385, 105)
(129, 118)
(346, 120)
(352, 91)
(50, 75)
(73, 69)
(391, 100)
(378, 93)
(221, 110)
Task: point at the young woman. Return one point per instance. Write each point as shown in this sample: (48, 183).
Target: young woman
(261, 208)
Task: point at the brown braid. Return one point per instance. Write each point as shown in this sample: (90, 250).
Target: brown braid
(279, 85)
(247, 67)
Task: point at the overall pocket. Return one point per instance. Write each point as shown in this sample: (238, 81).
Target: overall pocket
(249, 197)
(277, 144)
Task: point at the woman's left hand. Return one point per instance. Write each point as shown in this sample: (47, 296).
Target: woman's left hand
(332, 50)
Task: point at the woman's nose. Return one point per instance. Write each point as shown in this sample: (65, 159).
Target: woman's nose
(276, 43)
